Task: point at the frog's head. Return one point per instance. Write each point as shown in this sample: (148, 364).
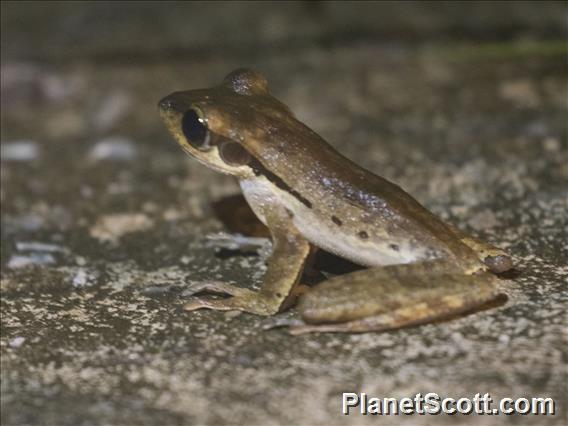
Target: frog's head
(224, 126)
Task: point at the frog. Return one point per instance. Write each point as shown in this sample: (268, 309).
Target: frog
(415, 268)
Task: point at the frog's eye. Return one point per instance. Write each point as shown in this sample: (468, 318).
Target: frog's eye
(234, 154)
(195, 130)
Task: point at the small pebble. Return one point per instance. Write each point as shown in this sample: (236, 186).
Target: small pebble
(38, 246)
(113, 148)
(19, 261)
(17, 342)
(81, 278)
(19, 151)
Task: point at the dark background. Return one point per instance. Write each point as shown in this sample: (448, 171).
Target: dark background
(104, 220)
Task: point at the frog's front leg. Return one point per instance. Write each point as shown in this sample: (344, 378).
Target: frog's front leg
(394, 296)
(285, 265)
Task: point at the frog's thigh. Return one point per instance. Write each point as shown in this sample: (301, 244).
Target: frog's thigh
(391, 297)
(285, 265)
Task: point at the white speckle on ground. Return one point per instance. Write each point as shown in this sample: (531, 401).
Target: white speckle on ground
(483, 220)
(113, 148)
(25, 222)
(16, 342)
(112, 108)
(38, 246)
(20, 261)
(552, 144)
(520, 92)
(81, 278)
(173, 214)
(23, 150)
(113, 227)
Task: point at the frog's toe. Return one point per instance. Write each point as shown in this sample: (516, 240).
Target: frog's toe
(498, 263)
(214, 304)
(217, 287)
(236, 300)
(288, 319)
(245, 300)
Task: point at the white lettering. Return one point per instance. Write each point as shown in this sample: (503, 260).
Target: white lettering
(349, 400)
(432, 401)
(464, 406)
(446, 402)
(406, 406)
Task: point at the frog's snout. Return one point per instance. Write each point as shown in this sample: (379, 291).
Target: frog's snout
(174, 103)
(168, 104)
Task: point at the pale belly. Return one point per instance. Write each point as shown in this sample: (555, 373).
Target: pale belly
(322, 232)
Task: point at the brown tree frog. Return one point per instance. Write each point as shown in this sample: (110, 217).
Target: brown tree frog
(419, 268)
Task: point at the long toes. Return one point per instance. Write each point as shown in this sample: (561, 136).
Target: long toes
(213, 287)
(303, 328)
(281, 322)
(215, 304)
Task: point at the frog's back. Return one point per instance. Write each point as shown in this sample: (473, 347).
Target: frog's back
(346, 209)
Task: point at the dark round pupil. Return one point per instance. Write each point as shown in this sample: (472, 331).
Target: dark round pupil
(193, 129)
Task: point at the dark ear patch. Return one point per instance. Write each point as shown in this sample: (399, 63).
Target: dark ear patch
(234, 154)
(245, 81)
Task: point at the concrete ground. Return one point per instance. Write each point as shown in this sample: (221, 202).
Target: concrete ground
(105, 221)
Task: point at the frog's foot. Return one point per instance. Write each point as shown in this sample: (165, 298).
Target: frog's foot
(290, 251)
(240, 299)
(392, 297)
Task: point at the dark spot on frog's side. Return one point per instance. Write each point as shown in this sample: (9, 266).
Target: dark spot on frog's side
(336, 220)
(395, 247)
(363, 235)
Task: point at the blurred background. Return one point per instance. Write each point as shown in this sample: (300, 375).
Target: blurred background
(104, 219)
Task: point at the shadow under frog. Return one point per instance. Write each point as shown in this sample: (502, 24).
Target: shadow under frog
(238, 218)
(418, 269)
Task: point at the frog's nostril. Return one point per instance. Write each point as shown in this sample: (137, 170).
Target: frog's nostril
(170, 103)
(166, 104)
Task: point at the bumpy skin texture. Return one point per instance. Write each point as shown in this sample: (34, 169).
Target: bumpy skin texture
(308, 193)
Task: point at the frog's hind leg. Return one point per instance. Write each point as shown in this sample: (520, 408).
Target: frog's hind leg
(496, 259)
(392, 297)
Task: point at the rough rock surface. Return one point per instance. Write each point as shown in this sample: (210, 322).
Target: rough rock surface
(104, 221)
